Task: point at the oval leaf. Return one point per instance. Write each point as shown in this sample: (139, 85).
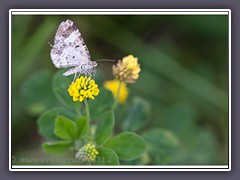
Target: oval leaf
(104, 129)
(57, 147)
(65, 128)
(104, 96)
(127, 145)
(137, 115)
(37, 92)
(106, 156)
(161, 145)
(60, 87)
(83, 127)
(46, 122)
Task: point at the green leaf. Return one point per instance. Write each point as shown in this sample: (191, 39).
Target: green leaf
(104, 129)
(37, 92)
(137, 115)
(46, 121)
(83, 127)
(127, 145)
(60, 87)
(161, 145)
(65, 128)
(104, 96)
(57, 147)
(106, 156)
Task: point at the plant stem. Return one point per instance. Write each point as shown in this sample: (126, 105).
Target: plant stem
(87, 109)
(116, 99)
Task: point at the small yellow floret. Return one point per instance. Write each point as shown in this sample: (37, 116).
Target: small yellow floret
(83, 87)
(87, 153)
(127, 70)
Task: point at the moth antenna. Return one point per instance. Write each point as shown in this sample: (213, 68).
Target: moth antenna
(50, 44)
(106, 60)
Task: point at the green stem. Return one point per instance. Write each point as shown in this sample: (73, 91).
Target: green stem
(87, 109)
(116, 99)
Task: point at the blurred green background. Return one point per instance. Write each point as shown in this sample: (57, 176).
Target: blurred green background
(184, 76)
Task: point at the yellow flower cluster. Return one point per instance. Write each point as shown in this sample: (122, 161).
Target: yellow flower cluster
(127, 70)
(83, 87)
(87, 153)
(113, 86)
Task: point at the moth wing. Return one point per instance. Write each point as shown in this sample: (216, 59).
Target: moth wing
(69, 48)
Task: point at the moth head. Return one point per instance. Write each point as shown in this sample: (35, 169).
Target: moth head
(93, 63)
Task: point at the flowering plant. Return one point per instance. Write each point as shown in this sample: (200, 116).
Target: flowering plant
(86, 125)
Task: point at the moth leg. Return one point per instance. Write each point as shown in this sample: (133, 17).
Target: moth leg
(94, 72)
(89, 73)
(78, 75)
(74, 77)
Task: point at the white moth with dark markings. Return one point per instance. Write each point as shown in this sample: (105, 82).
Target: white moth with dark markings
(70, 51)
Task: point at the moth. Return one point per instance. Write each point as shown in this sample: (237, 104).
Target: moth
(70, 51)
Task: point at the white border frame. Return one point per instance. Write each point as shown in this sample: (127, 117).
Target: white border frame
(121, 12)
